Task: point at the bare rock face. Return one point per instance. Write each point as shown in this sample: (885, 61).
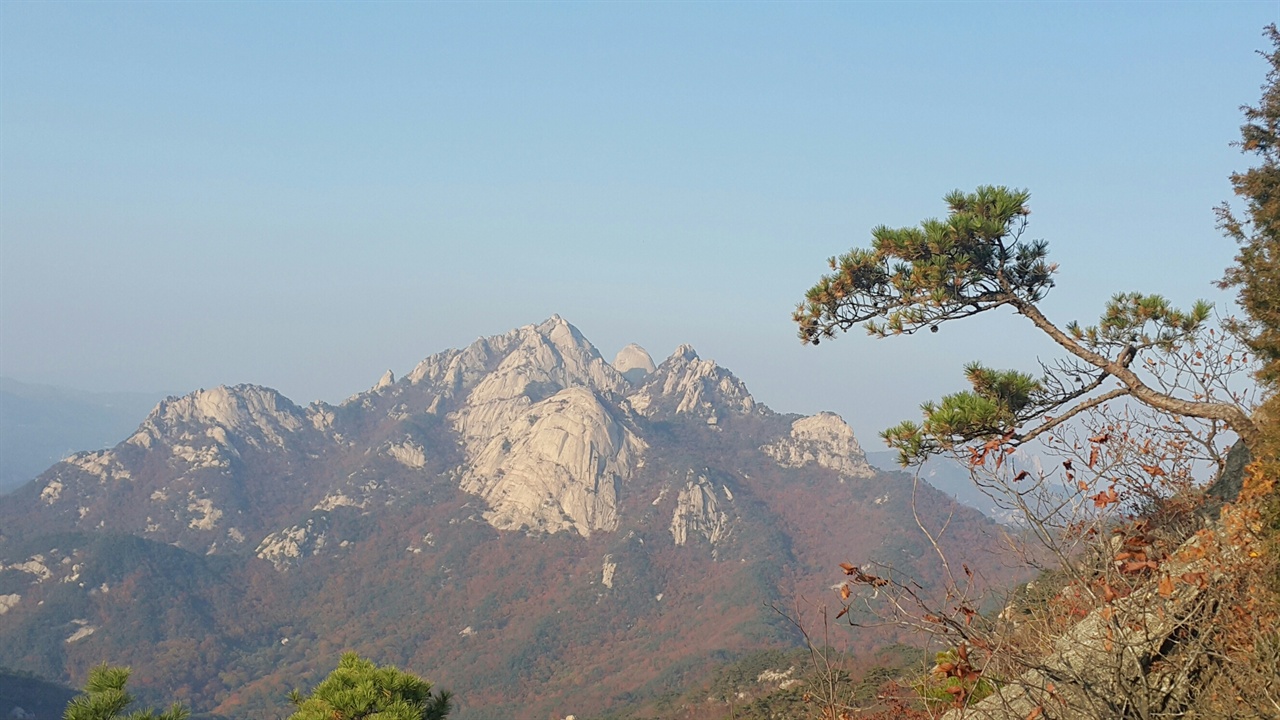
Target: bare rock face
(687, 384)
(635, 363)
(542, 448)
(825, 440)
(259, 416)
(517, 362)
(525, 366)
(698, 513)
(287, 547)
(557, 466)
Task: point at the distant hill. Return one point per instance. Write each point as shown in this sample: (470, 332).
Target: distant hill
(944, 473)
(948, 475)
(41, 424)
(24, 696)
(518, 520)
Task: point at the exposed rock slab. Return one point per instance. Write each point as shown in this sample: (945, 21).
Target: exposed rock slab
(634, 362)
(698, 513)
(825, 440)
(557, 466)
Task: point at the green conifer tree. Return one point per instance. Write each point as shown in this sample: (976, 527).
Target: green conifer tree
(105, 698)
(1257, 229)
(977, 260)
(358, 689)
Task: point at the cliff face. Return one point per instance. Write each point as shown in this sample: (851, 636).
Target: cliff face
(824, 440)
(551, 509)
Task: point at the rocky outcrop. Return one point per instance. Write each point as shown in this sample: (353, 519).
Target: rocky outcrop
(285, 548)
(607, 569)
(685, 384)
(556, 466)
(824, 440)
(408, 453)
(634, 362)
(698, 513)
(1117, 661)
(256, 415)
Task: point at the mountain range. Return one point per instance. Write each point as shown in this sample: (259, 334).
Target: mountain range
(540, 530)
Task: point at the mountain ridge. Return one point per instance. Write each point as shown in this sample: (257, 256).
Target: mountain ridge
(557, 517)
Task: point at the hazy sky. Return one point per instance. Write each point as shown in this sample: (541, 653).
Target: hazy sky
(305, 194)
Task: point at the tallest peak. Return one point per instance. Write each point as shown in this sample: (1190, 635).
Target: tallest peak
(551, 323)
(557, 327)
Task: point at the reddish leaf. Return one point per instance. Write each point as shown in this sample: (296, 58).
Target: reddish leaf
(1108, 593)
(1138, 566)
(1106, 497)
(1198, 579)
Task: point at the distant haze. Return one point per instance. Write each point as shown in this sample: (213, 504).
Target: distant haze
(304, 195)
(40, 425)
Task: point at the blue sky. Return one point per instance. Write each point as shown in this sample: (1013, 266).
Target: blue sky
(305, 194)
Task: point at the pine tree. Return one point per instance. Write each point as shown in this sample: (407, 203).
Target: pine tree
(359, 689)
(1257, 269)
(974, 261)
(105, 698)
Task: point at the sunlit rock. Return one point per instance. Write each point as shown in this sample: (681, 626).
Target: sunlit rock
(824, 440)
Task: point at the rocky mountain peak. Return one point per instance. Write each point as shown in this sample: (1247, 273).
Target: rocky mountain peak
(532, 358)
(543, 446)
(253, 412)
(686, 384)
